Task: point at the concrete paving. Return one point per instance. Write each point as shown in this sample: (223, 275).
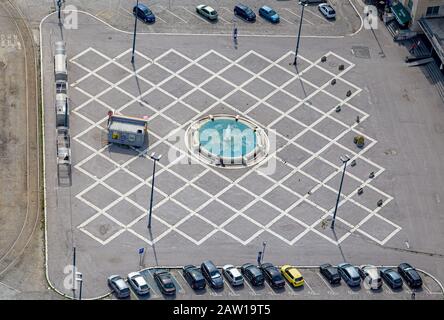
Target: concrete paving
(205, 212)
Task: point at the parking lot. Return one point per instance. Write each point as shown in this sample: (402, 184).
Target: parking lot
(315, 287)
(181, 17)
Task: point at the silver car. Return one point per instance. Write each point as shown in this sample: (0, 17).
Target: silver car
(350, 274)
(119, 286)
(371, 276)
(233, 275)
(207, 12)
(138, 283)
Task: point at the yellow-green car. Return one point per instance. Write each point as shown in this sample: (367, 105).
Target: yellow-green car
(292, 275)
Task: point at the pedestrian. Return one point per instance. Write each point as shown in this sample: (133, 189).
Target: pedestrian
(235, 34)
(413, 296)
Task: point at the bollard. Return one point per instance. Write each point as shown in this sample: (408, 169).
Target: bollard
(372, 175)
(341, 67)
(380, 202)
(333, 82)
(358, 119)
(323, 59)
(338, 109)
(353, 163)
(348, 94)
(360, 191)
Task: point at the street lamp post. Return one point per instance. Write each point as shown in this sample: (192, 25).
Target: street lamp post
(344, 160)
(155, 158)
(59, 6)
(303, 4)
(134, 36)
(79, 278)
(263, 250)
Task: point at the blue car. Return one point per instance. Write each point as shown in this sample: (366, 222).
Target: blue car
(269, 14)
(142, 12)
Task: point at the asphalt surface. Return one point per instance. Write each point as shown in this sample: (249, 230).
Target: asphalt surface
(404, 123)
(315, 287)
(392, 234)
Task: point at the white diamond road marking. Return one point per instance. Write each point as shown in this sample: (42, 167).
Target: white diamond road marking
(183, 154)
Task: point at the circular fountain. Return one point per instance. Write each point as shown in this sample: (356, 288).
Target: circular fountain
(227, 141)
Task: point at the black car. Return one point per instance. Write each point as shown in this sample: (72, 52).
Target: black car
(165, 282)
(253, 274)
(391, 277)
(194, 277)
(142, 12)
(330, 273)
(273, 275)
(410, 275)
(212, 274)
(244, 12)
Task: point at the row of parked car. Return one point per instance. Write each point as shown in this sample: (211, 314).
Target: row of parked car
(198, 277)
(143, 12)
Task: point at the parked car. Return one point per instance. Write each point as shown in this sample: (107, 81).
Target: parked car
(233, 275)
(350, 274)
(410, 275)
(138, 283)
(293, 276)
(142, 12)
(272, 275)
(165, 282)
(212, 274)
(119, 286)
(330, 273)
(193, 275)
(391, 277)
(207, 12)
(313, 1)
(327, 10)
(244, 12)
(269, 14)
(371, 275)
(253, 274)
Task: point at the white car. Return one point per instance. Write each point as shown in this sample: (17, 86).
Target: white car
(207, 12)
(371, 277)
(233, 275)
(327, 10)
(138, 283)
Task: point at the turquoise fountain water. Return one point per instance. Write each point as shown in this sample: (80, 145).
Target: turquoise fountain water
(227, 137)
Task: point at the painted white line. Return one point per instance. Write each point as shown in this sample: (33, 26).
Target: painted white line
(319, 16)
(9, 287)
(252, 291)
(427, 289)
(295, 14)
(386, 288)
(224, 20)
(173, 14)
(198, 34)
(195, 14)
(232, 292)
(271, 290)
(330, 289)
(310, 288)
(288, 21)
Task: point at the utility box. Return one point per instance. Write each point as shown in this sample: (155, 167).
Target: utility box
(60, 67)
(60, 63)
(62, 111)
(127, 130)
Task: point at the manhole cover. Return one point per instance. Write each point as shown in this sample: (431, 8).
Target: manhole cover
(361, 52)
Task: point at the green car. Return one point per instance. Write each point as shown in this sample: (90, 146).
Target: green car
(207, 12)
